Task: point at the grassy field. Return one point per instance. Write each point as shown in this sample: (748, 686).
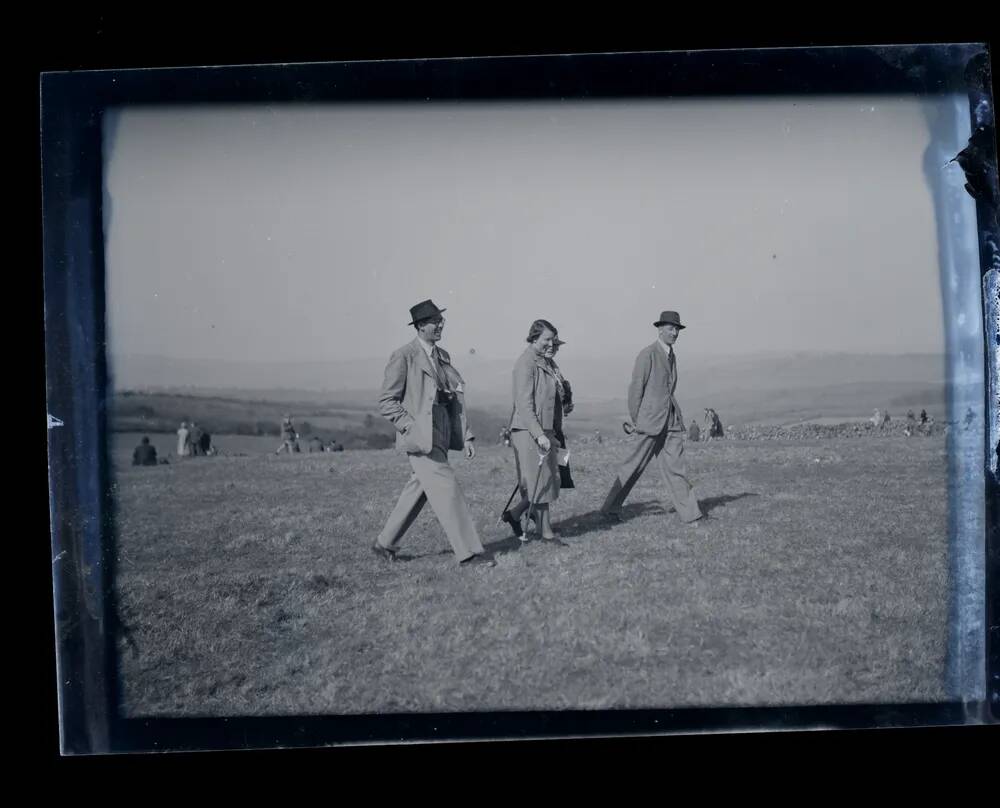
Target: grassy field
(247, 587)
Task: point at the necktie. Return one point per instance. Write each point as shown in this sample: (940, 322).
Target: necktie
(441, 378)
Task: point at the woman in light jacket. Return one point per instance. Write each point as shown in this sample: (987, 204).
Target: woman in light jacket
(537, 413)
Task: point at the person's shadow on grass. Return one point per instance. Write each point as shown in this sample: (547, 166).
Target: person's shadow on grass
(512, 544)
(404, 557)
(711, 503)
(508, 544)
(595, 520)
(592, 521)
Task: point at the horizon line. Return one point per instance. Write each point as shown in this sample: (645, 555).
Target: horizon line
(708, 355)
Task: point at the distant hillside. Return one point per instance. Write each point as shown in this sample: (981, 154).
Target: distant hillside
(143, 371)
(489, 380)
(767, 388)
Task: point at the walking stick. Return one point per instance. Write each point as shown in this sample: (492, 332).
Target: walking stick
(510, 499)
(538, 479)
(505, 434)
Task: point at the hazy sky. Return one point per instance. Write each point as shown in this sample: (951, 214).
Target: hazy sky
(306, 233)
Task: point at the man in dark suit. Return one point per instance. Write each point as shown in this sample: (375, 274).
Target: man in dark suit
(194, 438)
(659, 425)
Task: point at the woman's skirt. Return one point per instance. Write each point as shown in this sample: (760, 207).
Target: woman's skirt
(529, 471)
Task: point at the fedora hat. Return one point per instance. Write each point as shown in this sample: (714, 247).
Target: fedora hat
(669, 318)
(424, 310)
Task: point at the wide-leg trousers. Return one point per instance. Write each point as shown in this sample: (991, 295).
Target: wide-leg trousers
(433, 480)
(668, 449)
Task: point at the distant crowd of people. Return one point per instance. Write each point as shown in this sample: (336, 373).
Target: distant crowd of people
(712, 429)
(882, 417)
(319, 445)
(913, 422)
(290, 440)
(193, 441)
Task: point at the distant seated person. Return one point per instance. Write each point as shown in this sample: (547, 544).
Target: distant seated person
(144, 454)
(315, 444)
(334, 447)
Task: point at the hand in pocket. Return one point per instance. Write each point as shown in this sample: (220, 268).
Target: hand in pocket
(411, 438)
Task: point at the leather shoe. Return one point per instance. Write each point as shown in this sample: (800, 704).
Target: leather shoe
(383, 552)
(612, 517)
(515, 524)
(478, 560)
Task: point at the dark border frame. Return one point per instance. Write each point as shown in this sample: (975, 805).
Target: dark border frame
(81, 507)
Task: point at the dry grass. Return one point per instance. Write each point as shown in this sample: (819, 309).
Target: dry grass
(248, 588)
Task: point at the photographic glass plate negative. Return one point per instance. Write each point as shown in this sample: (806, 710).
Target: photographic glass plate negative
(233, 257)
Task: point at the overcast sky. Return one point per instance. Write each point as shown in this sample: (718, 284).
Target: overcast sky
(306, 233)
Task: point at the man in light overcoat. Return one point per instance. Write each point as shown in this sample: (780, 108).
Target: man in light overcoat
(423, 396)
(659, 425)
